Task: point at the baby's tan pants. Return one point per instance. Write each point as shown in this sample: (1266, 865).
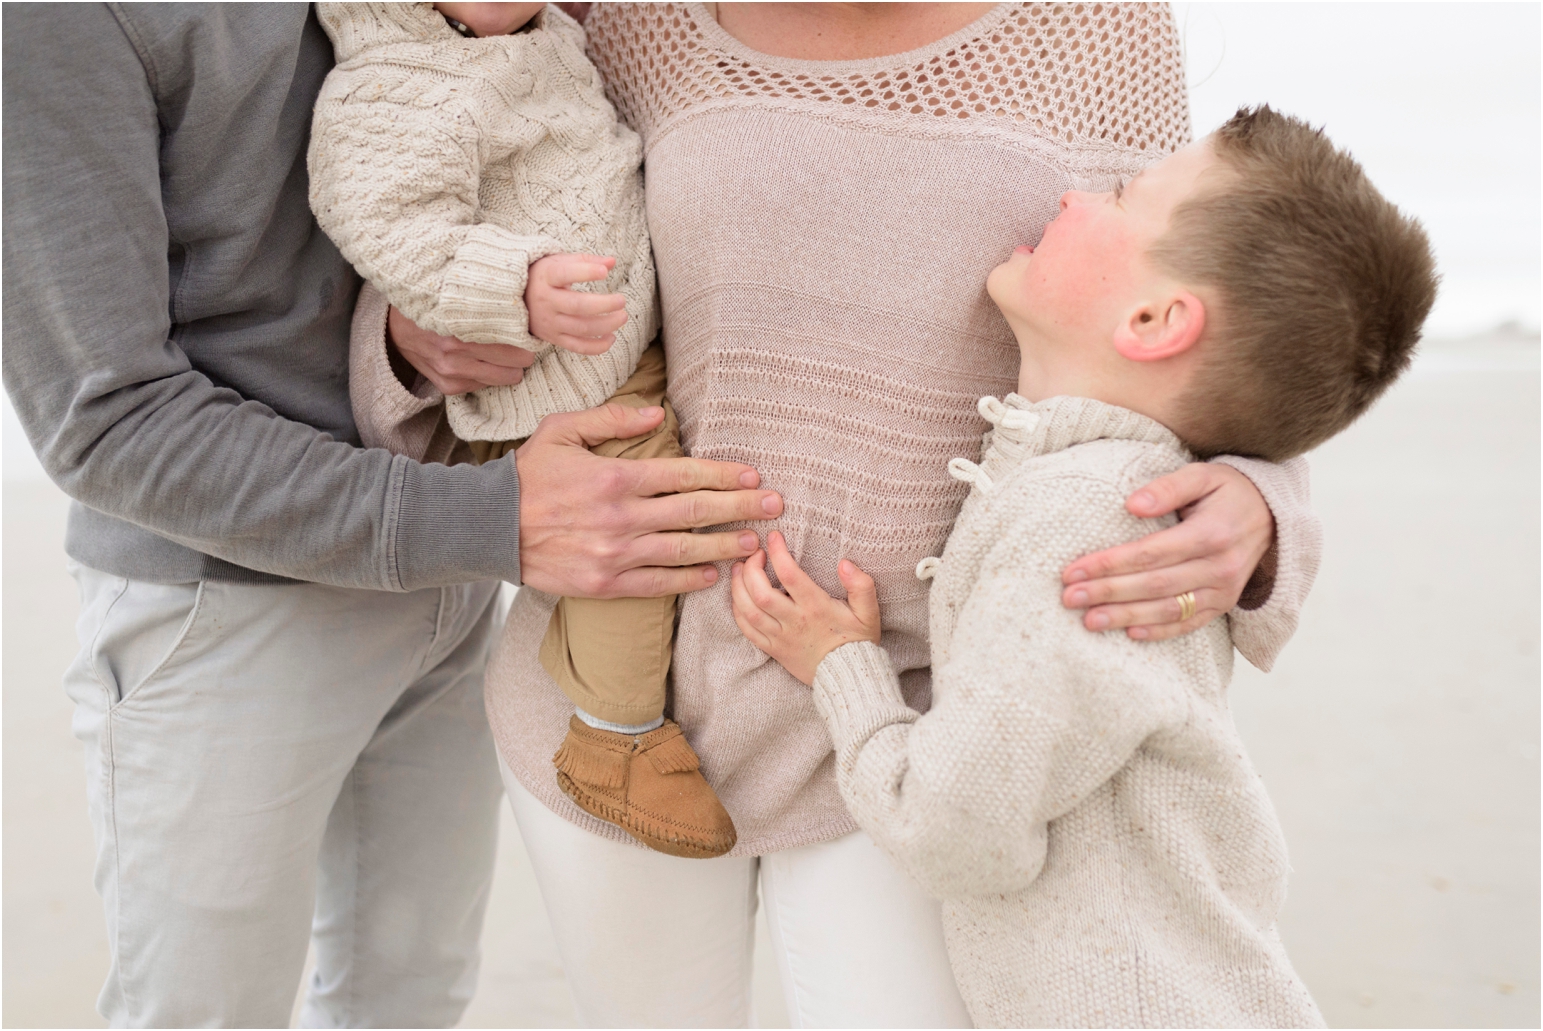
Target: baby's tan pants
(612, 657)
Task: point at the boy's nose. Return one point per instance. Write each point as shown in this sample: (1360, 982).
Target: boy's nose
(1071, 197)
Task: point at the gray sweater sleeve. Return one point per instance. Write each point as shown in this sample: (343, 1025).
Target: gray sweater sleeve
(122, 419)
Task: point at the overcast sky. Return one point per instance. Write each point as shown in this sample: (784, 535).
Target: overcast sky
(1439, 102)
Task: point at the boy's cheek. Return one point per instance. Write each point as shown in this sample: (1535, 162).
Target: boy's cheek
(1077, 288)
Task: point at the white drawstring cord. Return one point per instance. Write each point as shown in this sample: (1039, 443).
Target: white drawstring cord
(967, 471)
(998, 414)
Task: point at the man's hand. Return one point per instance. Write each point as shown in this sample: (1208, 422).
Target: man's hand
(593, 527)
(453, 365)
(801, 627)
(1226, 529)
(576, 321)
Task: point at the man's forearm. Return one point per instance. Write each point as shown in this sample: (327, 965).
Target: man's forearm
(120, 415)
(195, 464)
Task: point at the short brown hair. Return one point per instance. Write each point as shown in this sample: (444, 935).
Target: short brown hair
(1323, 287)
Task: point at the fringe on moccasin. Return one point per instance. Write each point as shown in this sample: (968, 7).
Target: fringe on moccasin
(665, 803)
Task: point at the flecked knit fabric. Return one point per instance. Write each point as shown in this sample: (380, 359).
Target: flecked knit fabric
(822, 270)
(442, 166)
(1106, 854)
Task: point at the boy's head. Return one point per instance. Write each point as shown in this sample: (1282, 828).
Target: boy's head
(1253, 292)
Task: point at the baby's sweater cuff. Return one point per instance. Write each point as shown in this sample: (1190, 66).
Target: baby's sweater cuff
(857, 692)
(482, 297)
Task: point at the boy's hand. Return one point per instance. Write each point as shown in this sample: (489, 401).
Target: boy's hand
(571, 319)
(801, 627)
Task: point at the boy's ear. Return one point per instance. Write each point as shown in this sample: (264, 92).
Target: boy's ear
(1158, 330)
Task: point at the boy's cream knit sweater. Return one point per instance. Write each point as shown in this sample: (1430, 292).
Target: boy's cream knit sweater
(442, 166)
(1106, 853)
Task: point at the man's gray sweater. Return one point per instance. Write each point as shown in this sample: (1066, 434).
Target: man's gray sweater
(176, 324)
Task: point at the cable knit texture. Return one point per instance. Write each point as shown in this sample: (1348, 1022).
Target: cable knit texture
(442, 166)
(1081, 802)
(822, 268)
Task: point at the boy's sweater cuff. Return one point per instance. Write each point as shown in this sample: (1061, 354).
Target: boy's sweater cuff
(482, 297)
(456, 524)
(857, 692)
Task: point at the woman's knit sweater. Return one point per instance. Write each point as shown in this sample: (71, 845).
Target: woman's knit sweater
(442, 166)
(1081, 802)
(823, 232)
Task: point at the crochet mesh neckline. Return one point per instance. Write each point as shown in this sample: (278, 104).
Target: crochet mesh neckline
(1081, 73)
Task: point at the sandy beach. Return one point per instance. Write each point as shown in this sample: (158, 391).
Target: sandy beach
(1398, 736)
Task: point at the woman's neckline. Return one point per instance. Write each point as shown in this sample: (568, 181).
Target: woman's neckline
(730, 43)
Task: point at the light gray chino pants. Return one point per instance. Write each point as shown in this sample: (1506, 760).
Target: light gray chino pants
(267, 764)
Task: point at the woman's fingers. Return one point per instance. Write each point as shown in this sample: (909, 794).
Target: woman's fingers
(1158, 585)
(792, 576)
(1157, 612)
(1161, 550)
(1172, 492)
(474, 374)
(505, 356)
(1225, 520)
(452, 365)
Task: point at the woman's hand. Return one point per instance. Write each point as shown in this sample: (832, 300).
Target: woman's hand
(584, 323)
(1226, 529)
(452, 365)
(801, 627)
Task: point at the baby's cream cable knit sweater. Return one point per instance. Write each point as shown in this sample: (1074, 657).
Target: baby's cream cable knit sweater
(442, 166)
(1082, 802)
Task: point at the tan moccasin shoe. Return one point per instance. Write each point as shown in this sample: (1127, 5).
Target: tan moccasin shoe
(650, 785)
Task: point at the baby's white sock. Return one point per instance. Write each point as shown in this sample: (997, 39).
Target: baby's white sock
(620, 728)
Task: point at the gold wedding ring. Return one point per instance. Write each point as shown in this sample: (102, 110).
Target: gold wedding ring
(1186, 605)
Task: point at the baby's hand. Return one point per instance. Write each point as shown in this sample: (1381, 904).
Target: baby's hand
(800, 628)
(575, 321)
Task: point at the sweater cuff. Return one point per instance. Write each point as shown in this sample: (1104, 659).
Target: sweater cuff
(1268, 612)
(457, 524)
(386, 413)
(857, 692)
(482, 297)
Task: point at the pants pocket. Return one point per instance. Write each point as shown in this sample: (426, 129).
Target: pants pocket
(141, 634)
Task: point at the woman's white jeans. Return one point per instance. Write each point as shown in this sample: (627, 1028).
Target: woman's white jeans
(649, 940)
